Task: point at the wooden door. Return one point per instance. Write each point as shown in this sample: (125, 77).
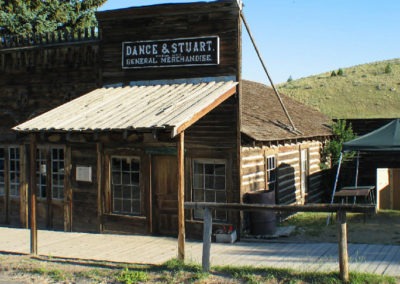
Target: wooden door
(396, 189)
(165, 195)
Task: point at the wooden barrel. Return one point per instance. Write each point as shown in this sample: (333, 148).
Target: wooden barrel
(262, 222)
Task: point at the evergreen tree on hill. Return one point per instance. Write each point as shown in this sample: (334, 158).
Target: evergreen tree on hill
(24, 17)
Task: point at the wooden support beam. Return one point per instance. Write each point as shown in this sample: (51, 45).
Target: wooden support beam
(343, 253)
(181, 196)
(207, 240)
(32, 188)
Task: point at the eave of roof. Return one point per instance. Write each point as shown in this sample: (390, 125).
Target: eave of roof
(168, 106)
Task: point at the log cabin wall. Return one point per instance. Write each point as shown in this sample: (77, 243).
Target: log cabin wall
(289, 162)
(36, 76)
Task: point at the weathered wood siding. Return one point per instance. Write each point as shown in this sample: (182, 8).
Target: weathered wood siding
(169, 22)
(35, 79)
(214, 137)
(288, 161)
(84, 194)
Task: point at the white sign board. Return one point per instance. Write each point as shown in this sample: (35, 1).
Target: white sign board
(84, 173)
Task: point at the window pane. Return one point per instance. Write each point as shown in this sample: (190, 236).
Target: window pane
(220, 196)
(208, 169)
(136, 207)
(209, 182)
(198, 181)
(126, 193)
(126, 178)
(220, 182)
(220, 170)
(136, 193)
(57, 169)
(220, 215)
(125, 185)
(210, 196)
(198, 168)
(209, 186)
(198, 195)
(198, 214)
(14, 171)
(125, 166)
(117, 205)
(135, 178)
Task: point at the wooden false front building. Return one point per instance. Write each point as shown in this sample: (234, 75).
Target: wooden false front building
(155, 113)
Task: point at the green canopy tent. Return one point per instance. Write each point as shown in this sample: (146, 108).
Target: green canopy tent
(384, 139)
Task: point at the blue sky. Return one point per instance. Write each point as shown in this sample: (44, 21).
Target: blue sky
(300, 38)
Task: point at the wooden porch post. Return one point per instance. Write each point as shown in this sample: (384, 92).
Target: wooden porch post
(343, 253)
(207, 239)
(181, 196)
(32, 188)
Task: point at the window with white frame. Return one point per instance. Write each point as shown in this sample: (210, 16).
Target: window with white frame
(57, 173)
(2, 172)
(271, 173)
(41, 172)
(209, 185)
(14, 171)
(125, 185)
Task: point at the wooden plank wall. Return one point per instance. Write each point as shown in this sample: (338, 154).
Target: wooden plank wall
(84, 194)
(34, 80)
(214, 137)
(169, 22)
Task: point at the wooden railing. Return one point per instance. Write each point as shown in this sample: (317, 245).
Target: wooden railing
(17, 41)
(339, 209)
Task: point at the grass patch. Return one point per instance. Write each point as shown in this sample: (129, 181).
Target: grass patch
(173, 271)
(272, 275)
(132, 276)
(380, 228)
(56, 275)
(365, 91)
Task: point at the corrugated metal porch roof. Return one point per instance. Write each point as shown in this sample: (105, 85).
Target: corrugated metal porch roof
(169, 106)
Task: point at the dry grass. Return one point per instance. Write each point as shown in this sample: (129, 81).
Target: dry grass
(364, 91)
(381, 228)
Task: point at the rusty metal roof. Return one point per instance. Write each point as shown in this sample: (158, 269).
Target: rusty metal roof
(169, 106)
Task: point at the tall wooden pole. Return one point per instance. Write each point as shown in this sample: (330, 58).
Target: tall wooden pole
(181, 196)
(32, 188)
(343, 253)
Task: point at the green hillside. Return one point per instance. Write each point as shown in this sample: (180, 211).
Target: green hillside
(363, 91)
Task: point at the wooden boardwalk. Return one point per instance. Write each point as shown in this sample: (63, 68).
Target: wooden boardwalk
(379, 259)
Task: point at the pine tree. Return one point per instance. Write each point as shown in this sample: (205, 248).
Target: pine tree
(24, 17)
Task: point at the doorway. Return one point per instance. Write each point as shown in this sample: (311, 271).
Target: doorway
(164, 195)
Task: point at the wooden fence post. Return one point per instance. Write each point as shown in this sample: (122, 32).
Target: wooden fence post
(207, 239)
(32, 188)
(343, 253)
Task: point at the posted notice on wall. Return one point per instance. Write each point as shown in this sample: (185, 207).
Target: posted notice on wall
(84, 173)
